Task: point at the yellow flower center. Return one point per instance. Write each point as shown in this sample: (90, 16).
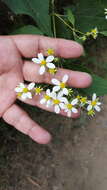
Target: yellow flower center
(69, 106)
(56, 101)
(93, 103)
(38, 90)
(47, 97)
(52, 71)
(25, 90)
(91, 112)
(50, 51)
(19, 94)
(62, 85)
(78, 97)
(43, 62)
(83, 100)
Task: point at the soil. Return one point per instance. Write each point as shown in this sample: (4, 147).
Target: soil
(76, 159)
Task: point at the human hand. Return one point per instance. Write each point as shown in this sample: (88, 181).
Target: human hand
(13, 70)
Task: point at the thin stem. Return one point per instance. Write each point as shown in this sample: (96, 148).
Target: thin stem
(53, 18)
(73, 29)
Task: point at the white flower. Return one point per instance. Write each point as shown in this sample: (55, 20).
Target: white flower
(46, 98)
(44, 63)
(57, 100)
(105, 12)
(60, 85)
(24, 91)
(69, 107)
(94, 104)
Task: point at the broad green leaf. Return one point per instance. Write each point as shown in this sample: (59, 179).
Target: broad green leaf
(70, 16)
(28, 29)
(99, 86)
(104, 33)
(90, 14)
(37, 9)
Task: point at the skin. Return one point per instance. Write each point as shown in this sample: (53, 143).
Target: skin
(15, 69)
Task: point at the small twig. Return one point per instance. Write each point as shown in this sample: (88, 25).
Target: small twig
(33, 182)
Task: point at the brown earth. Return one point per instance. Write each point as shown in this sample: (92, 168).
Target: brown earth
(76, 159)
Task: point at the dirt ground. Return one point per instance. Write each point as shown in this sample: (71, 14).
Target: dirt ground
(76, 159)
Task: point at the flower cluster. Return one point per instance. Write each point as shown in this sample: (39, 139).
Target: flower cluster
(93, 33)
(60, 96)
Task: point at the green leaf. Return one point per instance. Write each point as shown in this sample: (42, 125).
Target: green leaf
(70, 16)
(99, 86)
(37, 9)
(104, 33)
(90, 14)
(28, 29)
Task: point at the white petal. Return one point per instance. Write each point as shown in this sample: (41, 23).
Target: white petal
(69, 113)
(29, 95)
(97, 108)
(48, 92)
(54, 95)
(65, 91)
(50, 65)
(55, 81)
(24, 96)
(40, 56)
(62, 106)
(42, 101)
(66, 110)
(41, 70)
(56, 88)
(57, 109)
(89, 107)
(31, 86)
(21, 85)
(60, 94)
(94, 97)
(88, 102)
(75, 101)
(63, 99)
(49, 58)
(18, 89)
(65, 78)
(98, 103)
(74, 110)
(49, 103)
(35, 60)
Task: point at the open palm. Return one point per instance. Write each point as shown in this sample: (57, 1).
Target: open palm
(15, 69)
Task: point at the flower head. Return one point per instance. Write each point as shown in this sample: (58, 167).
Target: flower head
(47, 98)
(44, 63)
(60, 85)
(94, 103)
(94, 33)
(38, 90)
(25, 91)
(57, 100)
(69, 107)
(50, 51)
(52, 71)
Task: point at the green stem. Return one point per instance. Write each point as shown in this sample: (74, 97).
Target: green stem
(53, 18)
(73, 29)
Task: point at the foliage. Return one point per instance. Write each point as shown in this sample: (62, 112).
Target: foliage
(83, 21)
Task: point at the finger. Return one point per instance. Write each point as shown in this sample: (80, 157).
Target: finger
(30, 45)
(76, 79)
(18, 118)
(35, 101)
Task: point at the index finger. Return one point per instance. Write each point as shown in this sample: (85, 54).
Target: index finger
(30, 45)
